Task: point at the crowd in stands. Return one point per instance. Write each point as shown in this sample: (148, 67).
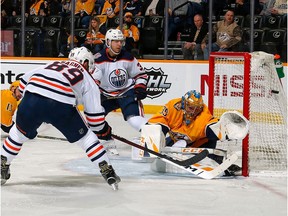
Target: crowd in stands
(143, 25)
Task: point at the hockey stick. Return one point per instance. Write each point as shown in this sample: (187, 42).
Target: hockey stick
(188, 151)
(210, 172)
(164, 157)
(52, 138)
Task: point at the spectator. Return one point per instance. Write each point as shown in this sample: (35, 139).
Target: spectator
(44, 8)
(4, 19)
(66, 46)
(177, 18)
(65, 8)
(84, 9)
(152, 7)
(228, 35)
(95, 38)
(111, 8)
(134, 7)
(130, 32)
(192, 48)
(279, 7)
(34, 8)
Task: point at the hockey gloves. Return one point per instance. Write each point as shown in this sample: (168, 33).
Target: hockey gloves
(105, 133)
(140, 91)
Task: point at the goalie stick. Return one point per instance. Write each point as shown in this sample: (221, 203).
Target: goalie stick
(164, 157)
(188, 165)
(190, 150)
(210, 172)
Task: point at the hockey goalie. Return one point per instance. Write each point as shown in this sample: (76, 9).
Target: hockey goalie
(186, 126)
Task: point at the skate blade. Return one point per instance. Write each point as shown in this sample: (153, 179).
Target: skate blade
(3, 181)
(114, 186)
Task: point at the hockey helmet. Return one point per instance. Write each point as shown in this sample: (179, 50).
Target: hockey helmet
(192, 104)
(81, 55)
(114, 34)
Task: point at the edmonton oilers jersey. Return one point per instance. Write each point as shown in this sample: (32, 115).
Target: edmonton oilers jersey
(117, 76)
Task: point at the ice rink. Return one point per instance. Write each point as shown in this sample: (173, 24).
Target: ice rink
(53, 178)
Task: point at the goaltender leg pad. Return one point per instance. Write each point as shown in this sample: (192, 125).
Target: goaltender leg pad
(152, 138)
(231, 126)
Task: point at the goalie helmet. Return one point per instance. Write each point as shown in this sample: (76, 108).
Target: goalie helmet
(81, 55)
(114, 34)
(192, 105)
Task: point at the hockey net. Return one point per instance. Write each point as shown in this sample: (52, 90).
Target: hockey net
(249, 84)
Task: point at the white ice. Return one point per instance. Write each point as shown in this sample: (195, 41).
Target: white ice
(53, 178)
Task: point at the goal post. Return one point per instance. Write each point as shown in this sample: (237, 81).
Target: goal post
(248, 83)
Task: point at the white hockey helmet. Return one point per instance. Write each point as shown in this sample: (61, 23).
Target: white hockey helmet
(114, 34)
(81, 55)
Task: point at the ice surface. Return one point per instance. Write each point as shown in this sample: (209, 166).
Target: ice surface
(53, 178)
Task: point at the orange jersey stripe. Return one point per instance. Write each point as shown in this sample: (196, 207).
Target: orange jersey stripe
(51, 84)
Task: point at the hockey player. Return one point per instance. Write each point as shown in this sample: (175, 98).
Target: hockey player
(190, 124)
(187, 120)
(122, 80)
(9, 102)
(50, 94)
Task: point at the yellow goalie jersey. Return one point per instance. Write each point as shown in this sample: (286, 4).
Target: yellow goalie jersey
(172, 117)
(8, 106)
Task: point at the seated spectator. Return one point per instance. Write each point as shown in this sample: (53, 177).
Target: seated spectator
(44, 8)
(4, 19)
(84, 9)
(279, 7)
(66, 46)
(95, 39)
(111, 8)
(192, 47)
(65, 8)
(152, 8)
(130, 32)
(228, 35)
(34, 8)
(134, 7)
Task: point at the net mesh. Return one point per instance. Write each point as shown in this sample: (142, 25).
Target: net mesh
(267, 151)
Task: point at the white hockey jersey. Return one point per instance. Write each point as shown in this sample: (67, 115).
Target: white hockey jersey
(117, 76)
(67, 82)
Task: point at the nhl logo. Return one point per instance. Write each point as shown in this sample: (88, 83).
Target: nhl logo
(156, 85)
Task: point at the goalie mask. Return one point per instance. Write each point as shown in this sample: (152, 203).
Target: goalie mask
(116, 35)
(81, 55)
(192, 105)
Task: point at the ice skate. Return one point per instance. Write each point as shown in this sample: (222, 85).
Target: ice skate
(5, 171)
(109, 174)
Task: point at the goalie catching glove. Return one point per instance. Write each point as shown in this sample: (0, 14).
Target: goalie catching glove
(105, 133)
(140, 91)
(231, 126)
